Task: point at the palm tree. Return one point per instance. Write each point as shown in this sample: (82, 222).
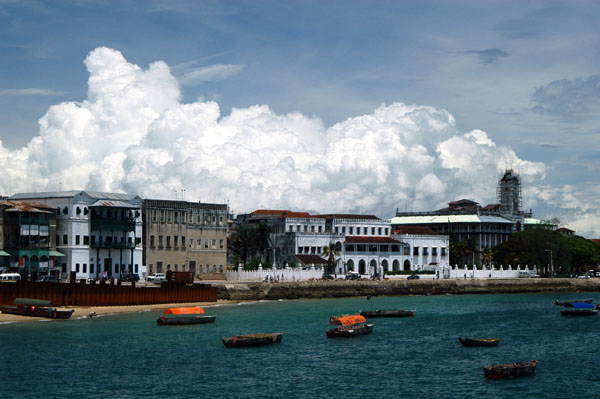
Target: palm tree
(262, 238)
(487, 256)
(330, 251)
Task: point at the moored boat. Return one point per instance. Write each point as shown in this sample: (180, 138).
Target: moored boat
(348, 326)
(35, 308)
(387, 313)
(580, 309)
(184, 315)
(473, 342)
(511, 370)
(256, 339)
(568, 303)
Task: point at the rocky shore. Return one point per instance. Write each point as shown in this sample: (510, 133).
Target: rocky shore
(342, 288)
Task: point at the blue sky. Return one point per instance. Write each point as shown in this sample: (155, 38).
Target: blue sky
(526, 73)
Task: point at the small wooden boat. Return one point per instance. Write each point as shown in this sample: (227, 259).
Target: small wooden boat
(568, 303)
(349, 326)
(520, 369)
(256, 339)
(184, 315)
(387, 313)
(472, 342)
(35, 308)
(579, 312)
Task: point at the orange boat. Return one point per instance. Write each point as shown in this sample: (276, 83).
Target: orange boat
(349, 326)
(185, 315)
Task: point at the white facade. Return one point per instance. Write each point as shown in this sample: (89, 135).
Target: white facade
(424, 251)
(99, 233)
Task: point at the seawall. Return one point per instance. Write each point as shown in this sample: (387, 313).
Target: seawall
(341, 288)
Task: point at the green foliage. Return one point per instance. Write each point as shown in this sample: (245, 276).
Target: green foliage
(292, 263)
(253, 264)
(249, 241)
(584, 254)
(330, 251)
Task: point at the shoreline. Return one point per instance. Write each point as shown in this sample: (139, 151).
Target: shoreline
(236, 292)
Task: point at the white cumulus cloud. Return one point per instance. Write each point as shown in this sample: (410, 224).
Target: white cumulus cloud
(133, 134)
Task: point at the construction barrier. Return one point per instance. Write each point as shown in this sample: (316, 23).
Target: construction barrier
(102, 294)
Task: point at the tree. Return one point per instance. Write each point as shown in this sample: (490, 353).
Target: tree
(330, 251)
(262, 240)
(241, 242)
(487, 256)
(584, 254)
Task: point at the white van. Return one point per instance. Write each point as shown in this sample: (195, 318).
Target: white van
(9, 277)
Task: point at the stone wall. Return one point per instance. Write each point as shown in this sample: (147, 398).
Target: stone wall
(340, 288)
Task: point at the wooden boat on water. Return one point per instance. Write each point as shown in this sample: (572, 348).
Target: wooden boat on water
(349, 326)
(568, 303)
(387, 313)
(184, 315)
(580, 309)
(473, 342)
(257, 339)
(520, 369)
(35, 308)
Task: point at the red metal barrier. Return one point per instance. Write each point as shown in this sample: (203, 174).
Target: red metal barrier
(82, 294)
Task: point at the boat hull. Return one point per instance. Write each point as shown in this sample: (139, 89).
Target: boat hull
(579, 312)
(35, 311)
(478, 342)
(387, 313)
(178, 321)
(512, 370)
(568, 303)
(350, 331)
(258, 339)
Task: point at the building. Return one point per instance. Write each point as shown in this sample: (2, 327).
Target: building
(185, 236)
(100, 234)
(424, 249)
(466, 220)
(27, 239)
(363, 241)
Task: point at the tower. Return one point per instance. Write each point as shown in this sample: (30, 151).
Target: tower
(508, 194)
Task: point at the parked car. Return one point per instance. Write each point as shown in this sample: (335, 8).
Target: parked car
(413, 277)
(352, 276)
(156, 276)
(584, 276)
(132, 277)
(328, 277)
(47, 279)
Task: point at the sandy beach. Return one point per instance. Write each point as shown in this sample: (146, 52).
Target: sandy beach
(84, 311)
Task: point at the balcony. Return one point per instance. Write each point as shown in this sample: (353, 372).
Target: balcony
(102, 223)
(113, 245)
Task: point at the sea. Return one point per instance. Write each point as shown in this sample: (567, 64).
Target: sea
(130, 356)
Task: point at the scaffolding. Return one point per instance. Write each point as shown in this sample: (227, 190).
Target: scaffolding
(508, 193)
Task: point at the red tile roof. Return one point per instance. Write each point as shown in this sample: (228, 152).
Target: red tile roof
(370, 240)
(346, 216)
(416, 230)
(311, 260)
(596, 240)
(281, 213)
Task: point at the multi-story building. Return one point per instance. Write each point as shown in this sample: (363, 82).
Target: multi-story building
(300, 233)
(100, 234)
(423, 248)
(27, 239)
(185, 236)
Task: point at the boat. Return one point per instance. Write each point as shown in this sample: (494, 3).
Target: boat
(511, 370)
(568, 303)
(580, 309)
(472, 342)
(184, 315)
(387, 313)
(256, 339)
(349, 326)
(35, 308)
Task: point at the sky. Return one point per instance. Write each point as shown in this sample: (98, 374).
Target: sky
(337, 106)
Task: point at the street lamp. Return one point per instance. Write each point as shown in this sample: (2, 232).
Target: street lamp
(551, 266)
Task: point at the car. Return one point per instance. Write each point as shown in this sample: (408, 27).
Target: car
(352, 276)
(413, 277)
(585, 276)
(47, 279)
(156, 277)
(131, 277)
(328, 277)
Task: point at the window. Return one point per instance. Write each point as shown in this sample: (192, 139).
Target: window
(138, 240)
(425, 251)
(214, 243)
(199, 243)
(154, 216)
(214, 268)
(77, 267)
(151, 267)
(206, 243)
(176, 267)
(86, 240)
(64, 267)
(93, 240)
(84, 268)
(91, 268)
(434, 251)
(343, 229)
(160, 243)
(221, 244)
(77, 239)
(65, 239)
(183, 241)
(220, 219)
(379, 231)
(351, 230)
(372, 231)
(168, 217)
(65, 210)
(443, 251)
(176, 217)
(116, 269)
(337, 229)
(168, 241)
(136, 268)
(176, 241)
(57, 239)
(365, 230)
(221, 268)
(416, 251)
(200, 269)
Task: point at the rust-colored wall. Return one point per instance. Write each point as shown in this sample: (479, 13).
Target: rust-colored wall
(81, 294)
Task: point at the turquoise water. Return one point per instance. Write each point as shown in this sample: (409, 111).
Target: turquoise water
(129, 356)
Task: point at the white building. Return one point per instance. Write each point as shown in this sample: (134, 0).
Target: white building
(100, 234)
(424, 249)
